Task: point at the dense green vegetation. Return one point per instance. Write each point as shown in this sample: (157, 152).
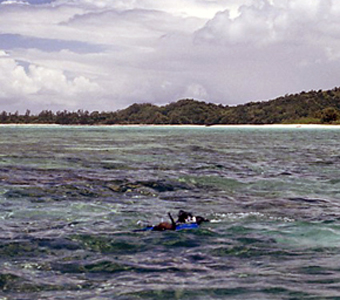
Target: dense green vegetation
(307, 107)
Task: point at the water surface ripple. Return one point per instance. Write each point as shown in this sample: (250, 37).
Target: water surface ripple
(70, 198)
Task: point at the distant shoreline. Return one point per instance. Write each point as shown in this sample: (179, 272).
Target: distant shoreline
(319, 108)
(274, 126)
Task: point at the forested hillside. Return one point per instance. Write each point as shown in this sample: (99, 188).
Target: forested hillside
(307, 107)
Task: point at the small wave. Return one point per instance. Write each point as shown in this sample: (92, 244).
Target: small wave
(220, 217)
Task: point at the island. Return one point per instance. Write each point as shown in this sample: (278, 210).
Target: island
(313, 107)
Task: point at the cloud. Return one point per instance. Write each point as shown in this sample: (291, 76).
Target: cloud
(264, 22)
(10, 41)
(195, 90)
(185, 8)
(22, 80)
(119, 52)
(27, 2)
(10, 2)
(276, 47)
(257, 24)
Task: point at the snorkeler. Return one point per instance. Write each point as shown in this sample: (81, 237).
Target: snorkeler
(186, 220)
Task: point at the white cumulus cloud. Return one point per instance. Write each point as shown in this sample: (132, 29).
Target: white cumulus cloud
(20, 80)
(11, 2)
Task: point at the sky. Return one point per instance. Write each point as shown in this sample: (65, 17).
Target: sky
(108, 54)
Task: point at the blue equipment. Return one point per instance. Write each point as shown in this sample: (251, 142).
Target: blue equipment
(178, 227)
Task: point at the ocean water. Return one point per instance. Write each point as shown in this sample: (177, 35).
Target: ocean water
(71, 198)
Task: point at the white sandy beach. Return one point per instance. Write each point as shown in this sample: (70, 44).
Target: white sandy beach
(283, 126)
(274, 126)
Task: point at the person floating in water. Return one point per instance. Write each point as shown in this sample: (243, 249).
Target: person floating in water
(186, 220)
(165, 225)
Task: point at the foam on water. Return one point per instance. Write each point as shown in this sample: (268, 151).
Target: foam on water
(220, 217)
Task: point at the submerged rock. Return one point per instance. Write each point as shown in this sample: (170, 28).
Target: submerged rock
(148, 187)
(166, 186)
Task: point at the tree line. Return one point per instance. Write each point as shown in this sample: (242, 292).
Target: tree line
(318, 107)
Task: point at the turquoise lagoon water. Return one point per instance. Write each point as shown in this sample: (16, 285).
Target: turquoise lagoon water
(70, 198)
